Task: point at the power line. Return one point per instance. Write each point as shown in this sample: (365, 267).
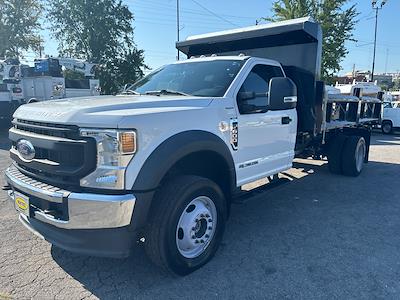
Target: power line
(165, 23)
(184, 21)
(193, 16)
(187, 10)
(213, 13)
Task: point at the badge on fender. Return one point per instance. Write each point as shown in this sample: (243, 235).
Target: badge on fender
(234, 133)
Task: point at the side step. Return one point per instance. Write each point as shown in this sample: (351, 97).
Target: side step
(242, 196)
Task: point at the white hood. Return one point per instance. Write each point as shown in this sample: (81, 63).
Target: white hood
(105, 111)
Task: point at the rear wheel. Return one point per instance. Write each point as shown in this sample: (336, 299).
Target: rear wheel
(354, 152)
(186, 225)
(335, 154)
(387, 127)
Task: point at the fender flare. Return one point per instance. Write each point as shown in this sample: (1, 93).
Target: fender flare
(175, 148)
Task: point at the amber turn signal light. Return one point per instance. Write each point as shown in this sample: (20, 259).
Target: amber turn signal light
(128, 142)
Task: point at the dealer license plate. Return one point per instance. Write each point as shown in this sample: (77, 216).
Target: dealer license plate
(21, 203)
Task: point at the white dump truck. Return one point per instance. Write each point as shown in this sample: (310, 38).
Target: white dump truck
(162, 162)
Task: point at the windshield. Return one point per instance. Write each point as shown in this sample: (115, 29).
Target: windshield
(203, 79)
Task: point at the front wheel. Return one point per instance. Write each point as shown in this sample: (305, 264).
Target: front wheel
(387, 127)
(186, 224)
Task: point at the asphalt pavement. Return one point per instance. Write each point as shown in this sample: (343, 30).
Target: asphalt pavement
(321, 236)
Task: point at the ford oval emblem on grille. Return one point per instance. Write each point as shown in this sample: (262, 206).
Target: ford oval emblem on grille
(26, 149)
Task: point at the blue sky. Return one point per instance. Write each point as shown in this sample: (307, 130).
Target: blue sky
(155, 28)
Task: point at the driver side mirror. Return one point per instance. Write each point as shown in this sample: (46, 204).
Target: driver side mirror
(282, 94)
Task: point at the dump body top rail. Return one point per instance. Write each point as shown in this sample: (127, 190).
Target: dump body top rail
(295, 42)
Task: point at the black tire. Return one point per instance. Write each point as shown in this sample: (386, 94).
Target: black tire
(335, 154)
(170, 203)
(351, 149)
(387, 127)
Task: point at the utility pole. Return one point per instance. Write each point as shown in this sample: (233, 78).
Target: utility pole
(177, 24)
(377, 8)
(387, 58)
(41, 48)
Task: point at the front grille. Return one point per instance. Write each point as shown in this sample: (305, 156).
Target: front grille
(67, 158)
(62, 156)
(67, 181)
(49, 129)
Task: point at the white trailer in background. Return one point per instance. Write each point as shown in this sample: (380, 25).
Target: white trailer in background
(11, 95)
(20, 84)
(49, 83)
(368, 88)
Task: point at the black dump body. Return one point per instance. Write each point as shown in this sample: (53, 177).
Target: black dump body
(296, 44)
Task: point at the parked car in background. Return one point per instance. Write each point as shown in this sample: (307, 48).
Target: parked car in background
(391, 117)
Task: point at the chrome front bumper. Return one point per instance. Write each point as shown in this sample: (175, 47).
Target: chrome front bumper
(85, 210)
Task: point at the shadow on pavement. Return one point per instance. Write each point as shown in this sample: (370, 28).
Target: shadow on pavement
(320, 235)
(384, 139)
(4, 141)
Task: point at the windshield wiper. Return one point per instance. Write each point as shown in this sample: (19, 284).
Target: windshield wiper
(130, 92)
(165, 92)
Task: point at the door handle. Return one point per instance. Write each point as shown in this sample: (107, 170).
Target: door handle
(286, 120)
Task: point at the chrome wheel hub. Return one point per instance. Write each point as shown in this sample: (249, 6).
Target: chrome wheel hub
(360, 154)
(196, 227)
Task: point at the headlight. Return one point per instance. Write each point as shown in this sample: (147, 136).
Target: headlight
(115, 149)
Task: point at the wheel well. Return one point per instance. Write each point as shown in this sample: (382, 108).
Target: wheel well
(387, 121)
(207, 164)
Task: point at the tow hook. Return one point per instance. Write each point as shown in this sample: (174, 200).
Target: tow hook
(6, 187)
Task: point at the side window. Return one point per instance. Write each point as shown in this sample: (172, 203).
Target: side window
(253, 94)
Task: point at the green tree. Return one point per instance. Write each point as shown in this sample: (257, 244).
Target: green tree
(337, 19)
(121, 70)
(100, 32)
(19, 26)
(396, 85)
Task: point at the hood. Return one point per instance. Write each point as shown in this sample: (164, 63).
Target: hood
(105, 111)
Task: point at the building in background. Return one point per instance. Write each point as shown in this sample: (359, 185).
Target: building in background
(386, 81)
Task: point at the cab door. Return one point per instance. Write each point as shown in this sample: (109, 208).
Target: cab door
(265, 138)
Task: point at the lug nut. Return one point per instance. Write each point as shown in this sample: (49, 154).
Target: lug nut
(207, 215)
(210, 220)
(209, 227)
(207, 236)
(193, 237)
(193, 228)
(196, 241)
(202, 241)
